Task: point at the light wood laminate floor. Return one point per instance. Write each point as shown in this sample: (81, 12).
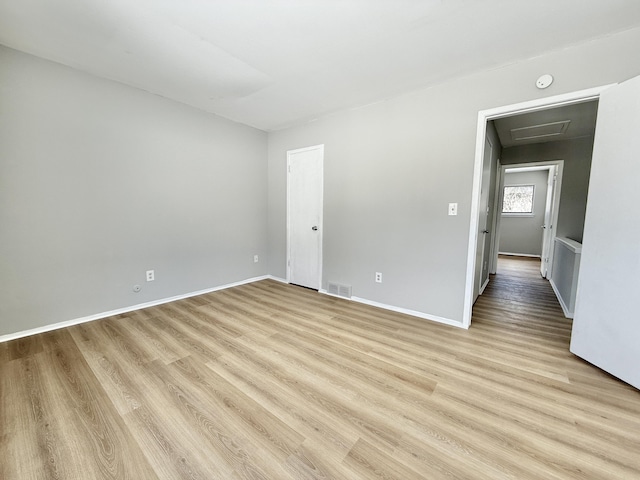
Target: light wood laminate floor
(272, 381)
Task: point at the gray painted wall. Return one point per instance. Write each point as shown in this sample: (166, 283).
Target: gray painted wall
(575, 180)
(100, 182)
(391, 168)
(520, 234)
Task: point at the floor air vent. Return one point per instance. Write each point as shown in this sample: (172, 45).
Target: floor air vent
(339, 290)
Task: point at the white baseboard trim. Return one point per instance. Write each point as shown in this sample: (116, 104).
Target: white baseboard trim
(277, 279)
(565, 309)
(139, 306)
(511, 254)
(484, 285)
(119, 311)
(406, 311)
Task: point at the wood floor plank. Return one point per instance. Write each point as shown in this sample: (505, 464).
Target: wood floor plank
(367, 461)
(289, 404)
(215, 419)
(170, 458)
(166, 348)
(272, 381)
(29, 431)
(102, 440)
(77, 429)
(321, 394)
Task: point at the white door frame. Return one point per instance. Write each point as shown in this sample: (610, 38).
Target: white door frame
(495, 226)
(483, 117)
(555, 205)
(290, 153)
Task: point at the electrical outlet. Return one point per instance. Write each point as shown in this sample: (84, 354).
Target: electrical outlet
(151, 276)
(256, 259)
(453, 209)
(378, 277)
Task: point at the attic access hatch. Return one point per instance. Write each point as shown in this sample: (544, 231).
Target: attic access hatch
(540, 131)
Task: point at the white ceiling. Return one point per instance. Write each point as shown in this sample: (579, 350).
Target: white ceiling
(274, 63)
(581, 116)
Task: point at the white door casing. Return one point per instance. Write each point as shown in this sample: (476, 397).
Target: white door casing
(481, 132)
(552, 205)
(606, 329)
(304, 216)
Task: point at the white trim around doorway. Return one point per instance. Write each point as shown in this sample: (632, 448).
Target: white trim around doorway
(552, 166)
(483, 117)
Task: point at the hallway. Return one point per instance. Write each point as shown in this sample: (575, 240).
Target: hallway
(522, 303)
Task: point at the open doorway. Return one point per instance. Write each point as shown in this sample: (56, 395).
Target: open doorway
(528, 203)
(542, 135)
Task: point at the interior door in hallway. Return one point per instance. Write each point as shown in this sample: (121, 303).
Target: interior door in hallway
(304, 216)
(548, 225)
(484, 241)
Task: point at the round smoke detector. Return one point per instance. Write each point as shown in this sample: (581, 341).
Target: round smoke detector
(544, 81)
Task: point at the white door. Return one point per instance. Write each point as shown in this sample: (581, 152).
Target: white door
(482, 254)
(606, 326)
(548, 234)
(304, 216)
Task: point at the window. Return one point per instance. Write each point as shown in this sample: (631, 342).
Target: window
(518, 200)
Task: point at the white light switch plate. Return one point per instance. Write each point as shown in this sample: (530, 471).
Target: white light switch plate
(453, 209)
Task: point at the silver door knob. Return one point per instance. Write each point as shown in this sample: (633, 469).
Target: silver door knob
(314, 228)
(485, 231)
